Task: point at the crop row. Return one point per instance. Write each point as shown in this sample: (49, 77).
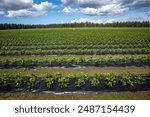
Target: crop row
(73, 47)
(67, 41)
(98, 43)
(70, 61)
(77, 52)
(51, 81)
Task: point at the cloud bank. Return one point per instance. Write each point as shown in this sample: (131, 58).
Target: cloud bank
(104, 7)
(23, 8)
(83, 20)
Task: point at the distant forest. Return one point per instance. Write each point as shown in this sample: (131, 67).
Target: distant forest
(70, 25)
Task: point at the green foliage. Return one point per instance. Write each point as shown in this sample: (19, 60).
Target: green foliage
(49, 79)
(126, 80)
(74, 41)
(90, 51)
(90, 42)
(138, 79)
(72, 76)
(4, 79)
(98, 76)
(58, 76)
(69, 25)
(81, 79)
(63, 82)
(32, 81)
(95, 82)
(18, 80)
(110, 79)
(77, 59)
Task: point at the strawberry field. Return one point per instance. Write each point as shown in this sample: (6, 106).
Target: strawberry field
(71, 49)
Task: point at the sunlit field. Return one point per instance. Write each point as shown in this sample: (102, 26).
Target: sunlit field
(87, 63)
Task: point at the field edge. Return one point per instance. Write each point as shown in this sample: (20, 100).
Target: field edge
(139, 95)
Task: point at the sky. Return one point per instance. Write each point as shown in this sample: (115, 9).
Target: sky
(70, 11)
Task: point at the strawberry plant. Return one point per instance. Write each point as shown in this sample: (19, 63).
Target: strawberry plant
(138, 79)
(81, 80)
(110, 79)
(18, 80)
(95, 82)
(49, 79)
(57, 76)
(72, 76)
(32, 81)
(126, 80)
(63, 82)
(4, 80)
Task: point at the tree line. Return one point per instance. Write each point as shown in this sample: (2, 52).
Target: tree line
(70, 25)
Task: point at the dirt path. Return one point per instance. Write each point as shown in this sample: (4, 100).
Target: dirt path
(77, 70)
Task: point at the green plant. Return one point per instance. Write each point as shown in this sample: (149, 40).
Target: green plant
(63, 82)
(50, 60)
(32, 82)
(81, 80)
(126, 80)
(138, 79)
(95, 82)
(18, 80)
(49, 79)
(4, 79)
(72, 76)
(98, 76)
(110, 79)
(57, 76)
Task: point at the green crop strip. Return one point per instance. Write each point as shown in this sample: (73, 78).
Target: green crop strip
(109, 80)
(109, 60)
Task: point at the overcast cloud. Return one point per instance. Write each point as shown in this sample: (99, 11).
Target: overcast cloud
(105, 7)
(24, 8)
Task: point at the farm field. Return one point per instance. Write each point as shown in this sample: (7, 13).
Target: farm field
(75, 59)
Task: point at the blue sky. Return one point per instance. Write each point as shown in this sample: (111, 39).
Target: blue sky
(68, 11)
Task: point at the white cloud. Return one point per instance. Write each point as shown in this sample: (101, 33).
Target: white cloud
(24, 13)
(2, 13)
(90, 11)
(105, 7)
(113, 9)
(97, 7)
(24, 8)
(42, 6)
(111, 20)
(83, 20)
(104, 10)
(69, 10)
